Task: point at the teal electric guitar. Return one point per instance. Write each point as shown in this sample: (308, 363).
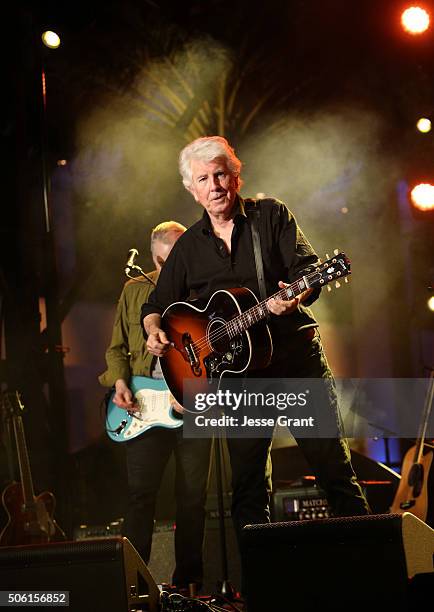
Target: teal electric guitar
(153, 398)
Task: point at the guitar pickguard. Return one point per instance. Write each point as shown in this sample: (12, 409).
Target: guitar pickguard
(217, 362)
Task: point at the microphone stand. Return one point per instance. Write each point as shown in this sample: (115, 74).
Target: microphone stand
(132, 266)
(224, 587)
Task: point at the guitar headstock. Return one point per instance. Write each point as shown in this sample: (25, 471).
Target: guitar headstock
(12, 403)
(333, 269)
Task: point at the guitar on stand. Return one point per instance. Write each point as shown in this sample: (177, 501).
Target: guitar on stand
(412, 493)
(30, 517)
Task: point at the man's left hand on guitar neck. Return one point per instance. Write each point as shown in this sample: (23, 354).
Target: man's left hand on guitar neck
(286, 307)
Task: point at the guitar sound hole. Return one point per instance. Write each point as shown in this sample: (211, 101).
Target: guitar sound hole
(218, 337)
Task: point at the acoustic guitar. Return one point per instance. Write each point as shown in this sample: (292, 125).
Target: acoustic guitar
(230, 335)
(412, 493)
(30, 517)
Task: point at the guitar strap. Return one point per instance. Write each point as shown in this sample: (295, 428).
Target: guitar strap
(253, 214)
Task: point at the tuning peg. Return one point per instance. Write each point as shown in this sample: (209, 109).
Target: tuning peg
(327, 256)
(346, 279)
(336, 252)
(329, 288)
(337, 284)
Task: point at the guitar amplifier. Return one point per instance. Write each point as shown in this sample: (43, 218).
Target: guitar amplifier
(303, 500)
(299, 503)
(92, 532)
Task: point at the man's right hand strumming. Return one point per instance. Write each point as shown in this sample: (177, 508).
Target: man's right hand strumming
(124, 397)
(157, 343)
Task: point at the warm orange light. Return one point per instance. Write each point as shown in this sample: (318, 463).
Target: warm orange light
(430, 303)
(415, 20)
(422, 196)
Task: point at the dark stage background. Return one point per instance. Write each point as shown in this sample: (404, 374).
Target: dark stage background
(320, 100)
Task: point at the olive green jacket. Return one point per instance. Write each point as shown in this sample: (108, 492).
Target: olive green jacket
(127, 354)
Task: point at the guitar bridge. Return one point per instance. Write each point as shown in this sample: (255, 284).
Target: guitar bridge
(407, 504)
(120, 427)
(191, 354)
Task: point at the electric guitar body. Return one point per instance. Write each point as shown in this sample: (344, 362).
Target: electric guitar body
(30, 517)
(29, 524)
(153, 399)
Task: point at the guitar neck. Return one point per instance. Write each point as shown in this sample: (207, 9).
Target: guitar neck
(425, 418)
(261, 311)
(318, 276)
(23, 461)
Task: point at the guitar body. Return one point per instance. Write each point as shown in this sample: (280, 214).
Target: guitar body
(32, 524)
(405, 498)
(206, 346)
(153, 397)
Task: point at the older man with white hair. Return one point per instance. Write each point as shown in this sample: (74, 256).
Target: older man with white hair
(217, 253)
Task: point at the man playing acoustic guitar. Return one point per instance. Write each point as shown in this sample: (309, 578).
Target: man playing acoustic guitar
(217, 253)
(148, 453)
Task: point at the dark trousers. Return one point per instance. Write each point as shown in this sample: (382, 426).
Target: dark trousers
(147, 456)
(329, 458)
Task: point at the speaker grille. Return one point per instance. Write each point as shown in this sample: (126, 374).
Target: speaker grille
(69, 552)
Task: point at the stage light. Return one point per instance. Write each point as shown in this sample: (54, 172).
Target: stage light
(430, 303)
(51, 39)
(422, 197)
(424, 125)
(415, 20)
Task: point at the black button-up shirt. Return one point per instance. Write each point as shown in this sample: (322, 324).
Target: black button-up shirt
(200, 264)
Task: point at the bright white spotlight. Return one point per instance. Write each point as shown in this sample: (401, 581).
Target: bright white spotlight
(430, 303)
(415, 20)
(424, 125)
(51, 39)
(422, 196)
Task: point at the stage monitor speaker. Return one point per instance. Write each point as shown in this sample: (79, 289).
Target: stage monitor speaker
(105, 574)
(350, 563)
(162, 561)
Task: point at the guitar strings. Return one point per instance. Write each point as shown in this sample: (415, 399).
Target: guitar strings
(225, 329)
(206, 341)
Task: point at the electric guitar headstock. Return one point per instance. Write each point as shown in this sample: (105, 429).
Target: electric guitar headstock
(12, 403)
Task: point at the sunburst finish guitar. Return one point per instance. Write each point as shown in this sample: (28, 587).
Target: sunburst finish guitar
(230, 335)
(413, 491)
(30, 517)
